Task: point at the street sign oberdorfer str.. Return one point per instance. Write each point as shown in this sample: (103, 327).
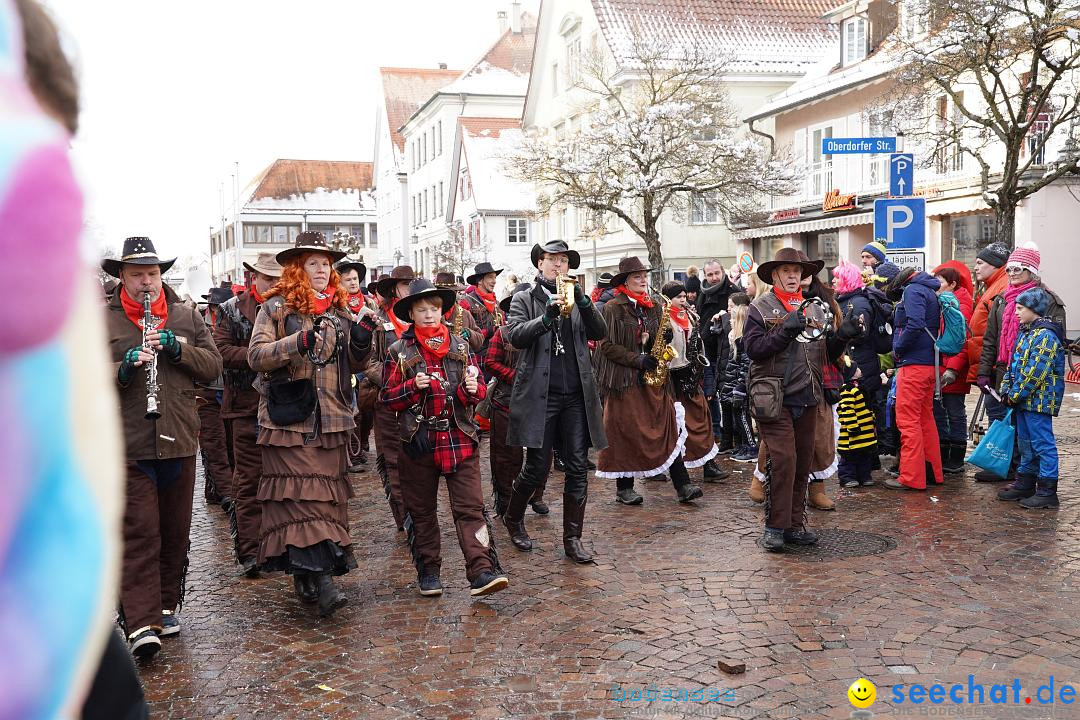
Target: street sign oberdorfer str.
(901, 175)
(900, 223)
(858, 146)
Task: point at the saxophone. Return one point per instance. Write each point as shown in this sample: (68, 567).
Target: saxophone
(564, 286)
(662, 352)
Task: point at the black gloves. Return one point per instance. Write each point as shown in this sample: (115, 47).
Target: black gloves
(170, 345)
(361, 332)
(127, 365)
(551, 312)
(580, 297)
(849, 329)
(794, 323)
(305, 341)
(647, 363)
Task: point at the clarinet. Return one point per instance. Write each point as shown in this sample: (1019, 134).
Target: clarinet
(152, 412)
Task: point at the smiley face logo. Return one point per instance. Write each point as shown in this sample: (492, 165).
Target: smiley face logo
(862, 693)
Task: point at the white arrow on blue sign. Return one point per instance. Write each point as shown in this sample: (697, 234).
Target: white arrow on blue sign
(858, 146)
(900, 223)
(901, 175)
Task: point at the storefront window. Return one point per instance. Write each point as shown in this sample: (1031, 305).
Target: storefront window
(970, 233)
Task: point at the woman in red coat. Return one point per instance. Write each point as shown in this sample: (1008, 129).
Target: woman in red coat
(950, 411)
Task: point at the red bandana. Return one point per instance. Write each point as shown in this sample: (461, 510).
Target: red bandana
(255, 294)
(400, 326)
(321, 302)
(434, 340)
(790, 300)
(643, 299)
(488, 298)
(355, 302)
(134, 310)
(679, 317)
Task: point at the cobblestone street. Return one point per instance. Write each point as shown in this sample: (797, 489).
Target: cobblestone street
(962, 585)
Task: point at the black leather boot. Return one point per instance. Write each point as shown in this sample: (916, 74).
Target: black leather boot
(304, 588)
(514, 518)
(950, 463)
(686, 490)
(330, 596)
(573, 518)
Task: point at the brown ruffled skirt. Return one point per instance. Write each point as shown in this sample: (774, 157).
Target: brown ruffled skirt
(646, 432)
(700, 443)
(304, 494)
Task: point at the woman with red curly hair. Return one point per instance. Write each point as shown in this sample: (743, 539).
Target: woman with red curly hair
(305, 417)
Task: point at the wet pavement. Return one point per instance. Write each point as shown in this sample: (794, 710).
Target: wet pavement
(962, 585)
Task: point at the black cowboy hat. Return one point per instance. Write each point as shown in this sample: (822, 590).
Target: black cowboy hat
(386, 284)
(309, 241)
(137, 251)
(419, 289)
(789, 256)
(448, 281)
(217, 295)
(374, 284)
(553, 247)
(357, 265)
(627, 266)
(480, 271)
(504, 304)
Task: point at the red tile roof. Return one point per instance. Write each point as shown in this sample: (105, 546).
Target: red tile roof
(513, 51)
(758, 34)
(286, 178)
(405, 90)
(488, 127)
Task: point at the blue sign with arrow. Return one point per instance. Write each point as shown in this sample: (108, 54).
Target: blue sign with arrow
(901, 174)
(900, 223)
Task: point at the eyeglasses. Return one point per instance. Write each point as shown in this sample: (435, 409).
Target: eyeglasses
(1013, 270)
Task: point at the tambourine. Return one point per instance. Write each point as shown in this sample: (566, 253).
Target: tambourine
(819, 317)
(335, 346)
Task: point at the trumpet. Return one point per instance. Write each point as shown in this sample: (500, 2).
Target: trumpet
(564, 287)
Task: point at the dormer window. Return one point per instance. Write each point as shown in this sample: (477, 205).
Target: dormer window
(853, 35)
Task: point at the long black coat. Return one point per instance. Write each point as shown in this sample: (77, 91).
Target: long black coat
(525, 330)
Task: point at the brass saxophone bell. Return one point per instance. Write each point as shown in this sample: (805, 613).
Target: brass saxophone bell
(564, 288)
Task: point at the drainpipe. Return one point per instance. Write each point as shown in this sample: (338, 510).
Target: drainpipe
(767, 136)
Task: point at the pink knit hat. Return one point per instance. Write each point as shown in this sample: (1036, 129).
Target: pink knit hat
(1026, 257)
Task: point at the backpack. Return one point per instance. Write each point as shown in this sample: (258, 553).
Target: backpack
(954, 330)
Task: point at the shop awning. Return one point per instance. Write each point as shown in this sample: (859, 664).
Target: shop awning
(821, 223)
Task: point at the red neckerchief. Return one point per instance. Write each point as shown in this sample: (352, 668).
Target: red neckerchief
(643, 299)
(400, 326)
(790, 300)
(488, 298)
(434, 340)
(319, 305)
(255, 294)
(679, 317)
(134, 310)
(355, 302)
(212, 314)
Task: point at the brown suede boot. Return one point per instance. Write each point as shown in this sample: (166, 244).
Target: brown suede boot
(756, 491)
(818, 499)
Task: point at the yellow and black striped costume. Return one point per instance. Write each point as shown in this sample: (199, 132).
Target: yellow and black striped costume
(856, 421)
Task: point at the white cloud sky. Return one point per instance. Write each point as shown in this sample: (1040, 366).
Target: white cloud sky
(174, 93)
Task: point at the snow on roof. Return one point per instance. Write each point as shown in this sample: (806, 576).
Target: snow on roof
(504, 67)
(310, 184)
(486, 141)
(405, 90)
(759, 35)
(824, 80)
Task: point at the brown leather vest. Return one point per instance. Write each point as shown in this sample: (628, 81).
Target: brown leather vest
(809, 359)
(407, 354)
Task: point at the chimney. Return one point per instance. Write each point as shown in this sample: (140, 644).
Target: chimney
(442, 66)
(515, 17)
(503, 21)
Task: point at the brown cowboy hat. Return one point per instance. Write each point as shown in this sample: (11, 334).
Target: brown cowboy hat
(504, 304)
(447, 281)
(309, 241)
(402, 273)
(627, 266)
(556, 247)
(480, 271)
(265, 264)
(419, 289)
(137, 251)
(789, 256)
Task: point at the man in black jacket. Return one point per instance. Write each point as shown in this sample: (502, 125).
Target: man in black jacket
(711, 301)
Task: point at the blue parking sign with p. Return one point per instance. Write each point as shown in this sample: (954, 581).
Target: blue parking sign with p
(901, 174)
(900, 223)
